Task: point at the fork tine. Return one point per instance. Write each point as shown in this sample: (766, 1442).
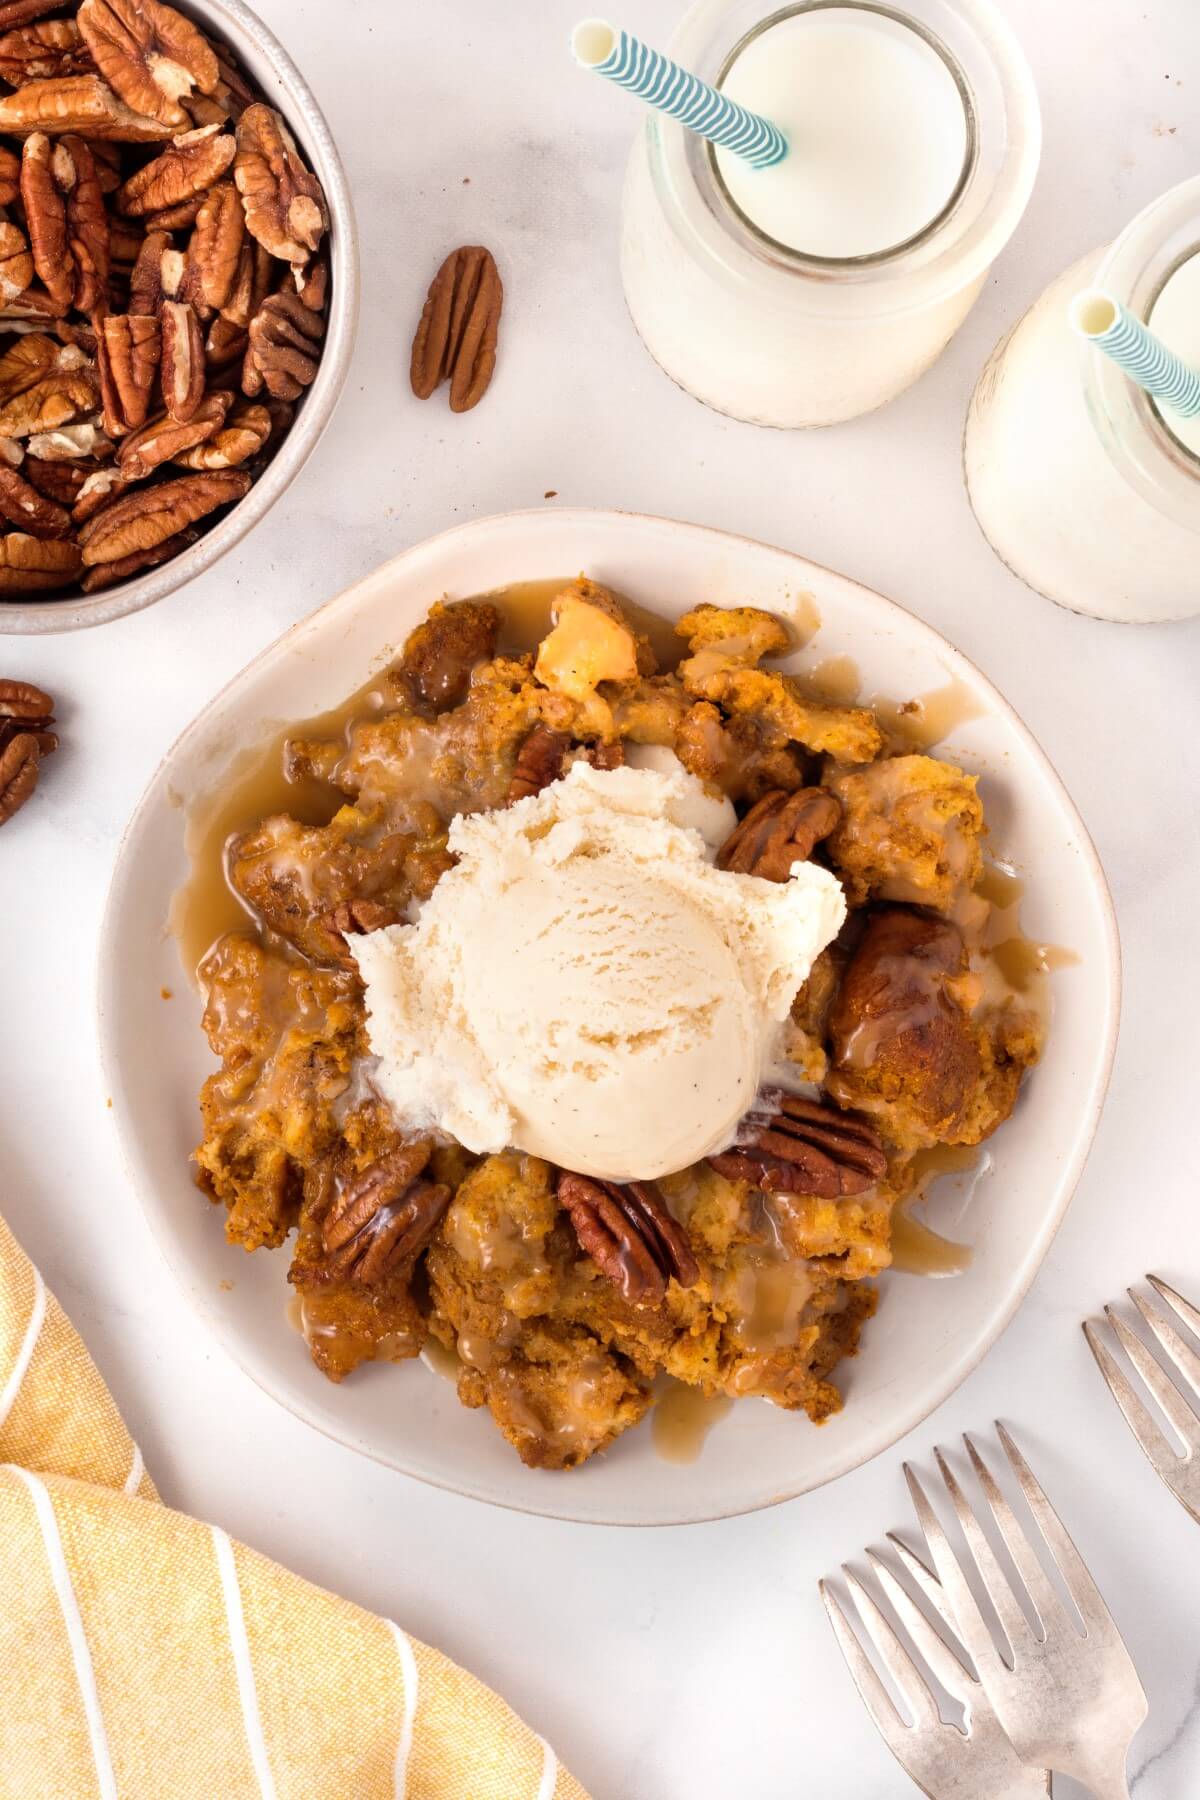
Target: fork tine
(969, 1622)
(1187, 1312)
(893, 1655)
(1172, 1341)
(1080, 1586)
(938, 1656)
(1008, 1611)
(1157, 1380)
(1041, 1592)
(1137, 1416)
(875, 1697)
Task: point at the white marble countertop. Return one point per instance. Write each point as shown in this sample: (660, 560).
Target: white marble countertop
(664, 1665)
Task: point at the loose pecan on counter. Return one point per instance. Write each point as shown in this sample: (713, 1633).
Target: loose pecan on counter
(629, 1234)
(26, 736)
(804, 1147)
(780, 830)
(456, 337)
(383, 1216)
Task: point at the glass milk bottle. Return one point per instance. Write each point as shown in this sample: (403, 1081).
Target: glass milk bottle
(1081, 485)
(819, 289)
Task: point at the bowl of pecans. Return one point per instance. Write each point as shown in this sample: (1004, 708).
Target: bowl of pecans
(178, 296)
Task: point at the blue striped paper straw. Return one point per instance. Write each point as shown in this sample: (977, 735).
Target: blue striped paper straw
(662, 83)
(1112, 328)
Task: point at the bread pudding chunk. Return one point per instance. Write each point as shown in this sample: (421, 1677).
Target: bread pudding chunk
(589, 1019)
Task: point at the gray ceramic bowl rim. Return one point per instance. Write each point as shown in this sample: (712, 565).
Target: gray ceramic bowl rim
(231, 20)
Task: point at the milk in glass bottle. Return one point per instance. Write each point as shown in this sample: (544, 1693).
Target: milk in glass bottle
(819, 288)
(1086, 487)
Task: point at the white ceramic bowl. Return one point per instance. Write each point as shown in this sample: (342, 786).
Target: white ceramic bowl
(263, 59)
(927, 1336)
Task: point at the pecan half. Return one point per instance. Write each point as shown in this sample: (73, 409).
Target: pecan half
(629, 1234)
(284, 348)
(16, 261)
(59, 481)
(780, 830)
(30, 565)
(25, 363)
(40, 52)
(10, 175)
(312, 284)
(150, 54)
(46, 176)
(241, 437)
(285, 207)
(19, 762)
(143, 520)
(127, 357)
(165, 439)
(122, 567)
(383, 1216)
(214, 252)
(456, 337)
(87, 226)
(22, 505)
(26, 708)
(542, 755)
(251, 285)
(188, 168)
(183, 368)
(804, 1147)
(82, 103)
(99, 490)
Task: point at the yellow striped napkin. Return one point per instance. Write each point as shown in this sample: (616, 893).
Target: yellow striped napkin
(144, 1656)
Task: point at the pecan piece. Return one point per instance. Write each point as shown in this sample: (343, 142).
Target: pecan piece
(142, 520)
(98, 491)
(28, 360)
(355, 918)
(312, 284)
(56, 399)
(20, 12)
(285, 207)
(46, 176)
(82, 103)
(127, 357)
(165, 439)
(71, 443)
(146, 283)
(106, 574)
(16, 262)
(236, 441)
(629, 1234)
(10, 175)
(284, 348)
(87, 226)
(22, 505)
(187, 169)
(214, 253)
(779, 831)
(19, 762)
(30, 565)
(151, 55)
(542, 755)
(804, 1147)
(40, 52)
(456, 336)
(251, 285)
(59, 481)
(383, 1216)
(26, 708)
(183, 368)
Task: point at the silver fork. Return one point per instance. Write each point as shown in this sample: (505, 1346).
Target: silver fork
(1180, 1470)
(1069, 1702)
(976, 1762)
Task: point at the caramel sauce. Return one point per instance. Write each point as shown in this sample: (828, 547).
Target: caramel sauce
(682, 1419)
(1000, 887)
(441, 1361)
(916, 1250)
(1023, 963)
(837, 681)
(804, 616)
(926, 719)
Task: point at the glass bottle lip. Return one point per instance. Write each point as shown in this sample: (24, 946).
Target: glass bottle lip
(1135, 269)
(948, 255)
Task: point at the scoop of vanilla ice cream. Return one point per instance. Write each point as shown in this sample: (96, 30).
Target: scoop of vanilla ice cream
(585, 985)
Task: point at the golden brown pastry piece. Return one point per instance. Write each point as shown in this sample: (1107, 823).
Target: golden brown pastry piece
(910, 831)
(439, 656)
